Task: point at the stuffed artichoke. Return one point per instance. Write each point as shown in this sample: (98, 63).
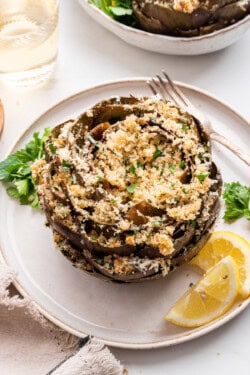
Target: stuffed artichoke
(129, 188)
(188, 17)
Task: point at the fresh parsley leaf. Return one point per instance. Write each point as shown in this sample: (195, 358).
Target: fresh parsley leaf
(132, 169)
(157, 153)
(22, 187)
(201, 176)
(16, 170)
(24, 170)
(11, 165)
(131, 188)
(35, 201)
(162, 169)
(184, 127)
(133, 231)
(52, 148)
(193, 223)
(12, 192)
(66, 165)
(237, 200)
(139, 165)
(172, 168)
(182, 164)
(246, 213)
(35, 148)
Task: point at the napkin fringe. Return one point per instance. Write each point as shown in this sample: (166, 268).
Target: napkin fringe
(91, 356)
(7, 276)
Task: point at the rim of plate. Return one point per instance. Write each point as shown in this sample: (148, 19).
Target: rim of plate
(162, 36)
(187, 336)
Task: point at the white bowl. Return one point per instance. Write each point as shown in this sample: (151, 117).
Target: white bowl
(170, 45)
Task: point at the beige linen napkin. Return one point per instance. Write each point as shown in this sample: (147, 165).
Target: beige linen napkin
(29, 343)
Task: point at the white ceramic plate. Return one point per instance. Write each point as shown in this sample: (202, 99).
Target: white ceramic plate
(128, 316)
(168, 44)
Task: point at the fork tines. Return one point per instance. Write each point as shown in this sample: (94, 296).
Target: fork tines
(166, 88)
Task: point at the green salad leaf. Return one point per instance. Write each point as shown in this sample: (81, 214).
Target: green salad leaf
(16, 170)
(237, 199)
(117, 9)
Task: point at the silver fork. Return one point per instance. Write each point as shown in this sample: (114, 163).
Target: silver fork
(168, 90)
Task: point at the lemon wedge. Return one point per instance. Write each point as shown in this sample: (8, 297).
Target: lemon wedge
(209, 298)
(222, 244)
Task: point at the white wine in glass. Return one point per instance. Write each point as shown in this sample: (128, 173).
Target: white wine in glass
(28, 40)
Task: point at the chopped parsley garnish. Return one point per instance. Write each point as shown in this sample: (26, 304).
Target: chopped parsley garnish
(201, 156)
(92, 140)
(171, 168)
(157, 153)
(133, 231)
(132, 169)
(184, 127)
(16, 170)
(139, 165)
(182, 164)
(73, 179)
(99, 178)
(52, 148)
(113, 201)
(162, 169)
(237, 200)
(193, 223)
(131, 188)
(201, 176)
(66, 165)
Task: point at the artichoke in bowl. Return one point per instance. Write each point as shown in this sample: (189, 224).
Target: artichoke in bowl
(188, 18)
(129, 188)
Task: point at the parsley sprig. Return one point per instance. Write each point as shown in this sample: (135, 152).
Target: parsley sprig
(237, 199)
(16, 170)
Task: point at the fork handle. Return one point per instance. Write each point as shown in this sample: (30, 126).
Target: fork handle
(232, 147)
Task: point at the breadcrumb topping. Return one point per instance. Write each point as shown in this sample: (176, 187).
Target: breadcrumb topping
(132, 182)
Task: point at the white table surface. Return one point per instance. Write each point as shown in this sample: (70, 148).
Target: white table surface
(89, 55)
